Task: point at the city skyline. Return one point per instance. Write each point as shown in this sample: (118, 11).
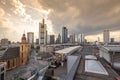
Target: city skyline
(90, 18)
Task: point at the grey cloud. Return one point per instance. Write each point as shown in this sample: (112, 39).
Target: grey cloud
(84, 16)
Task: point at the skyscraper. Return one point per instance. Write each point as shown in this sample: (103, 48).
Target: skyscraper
(48, 39)
(72, 38)
(81, 38)
(64, 35)
(58, 40)
(52, 39)
(37, 41)
(106, 36)
(42, 33)
(30, 37)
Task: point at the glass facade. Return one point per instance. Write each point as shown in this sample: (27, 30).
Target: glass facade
(64, 35)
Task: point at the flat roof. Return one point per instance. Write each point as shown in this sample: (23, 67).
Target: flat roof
(113, 48)
(91, 57)
(95, 66)
(67, 50)
(81, 74)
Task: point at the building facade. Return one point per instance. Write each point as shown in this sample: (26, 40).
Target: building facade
(37, 41)
(52, 39)
(64, 35)
(3, 70)
(4, 42)
(30, 37)
(71, 39)
(42, 33)
(24, 50)
(112, 40)
(106, 36)
(81, 38)
(48, 39)
(16, 56)
(58, 40)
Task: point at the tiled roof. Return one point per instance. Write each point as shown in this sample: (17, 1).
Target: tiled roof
(10, 53)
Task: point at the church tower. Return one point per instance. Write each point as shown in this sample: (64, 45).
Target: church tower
(24, 50)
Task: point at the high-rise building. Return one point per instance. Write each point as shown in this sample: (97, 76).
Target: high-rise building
(71, 39)
(106, 36)
(37, 41)
(58, 40)
(48, 39)
(64, 35)
(112, 40)
(76, 38)
(81, 38)
(52, 39)
(42, 33)
(30, 37)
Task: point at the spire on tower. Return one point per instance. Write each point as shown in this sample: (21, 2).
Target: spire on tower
(23, 39)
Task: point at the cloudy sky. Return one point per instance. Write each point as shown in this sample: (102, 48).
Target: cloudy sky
(89, 17)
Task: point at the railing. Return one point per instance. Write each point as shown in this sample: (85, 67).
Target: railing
(36, 73)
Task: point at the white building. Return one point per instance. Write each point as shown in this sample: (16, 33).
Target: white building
(42, 33)
(48, 39)
(71, 39)
(106, 36)
(48, 49)
(30, 37)
(111, 53)
(81, 38)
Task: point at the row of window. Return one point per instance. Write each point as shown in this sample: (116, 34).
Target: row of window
(12, 62)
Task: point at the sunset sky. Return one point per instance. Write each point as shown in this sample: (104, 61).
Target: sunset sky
(89, 17)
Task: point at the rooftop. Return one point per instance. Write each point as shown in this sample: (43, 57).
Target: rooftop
(10, 53)
(113, 48)
(67, 50)
(65, 44)
(96, 70)
(95, 66)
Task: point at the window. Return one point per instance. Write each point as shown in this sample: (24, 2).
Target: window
(22, 60)
(2, 76)
(2, 69)
(22, 47)
(13, 63)
(8, 65)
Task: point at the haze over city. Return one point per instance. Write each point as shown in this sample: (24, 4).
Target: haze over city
(59, 39)
(79, 16)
